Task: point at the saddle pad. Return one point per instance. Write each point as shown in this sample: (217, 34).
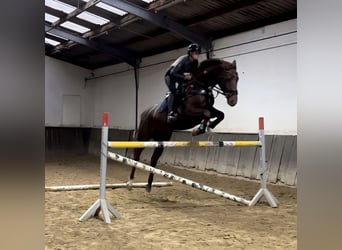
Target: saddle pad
(163, 106)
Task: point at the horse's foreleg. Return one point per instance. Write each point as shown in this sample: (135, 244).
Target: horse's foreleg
(203, 125)
(155, 157)
(219, 117)
(136, 157)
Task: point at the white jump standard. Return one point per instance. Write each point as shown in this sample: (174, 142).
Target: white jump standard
(102, 204)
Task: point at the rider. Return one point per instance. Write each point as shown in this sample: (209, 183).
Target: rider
(180, 72)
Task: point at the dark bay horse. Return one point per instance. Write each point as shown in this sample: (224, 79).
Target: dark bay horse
(196, 109)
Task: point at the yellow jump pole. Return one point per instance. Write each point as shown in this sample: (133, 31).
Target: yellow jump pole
(170, 144)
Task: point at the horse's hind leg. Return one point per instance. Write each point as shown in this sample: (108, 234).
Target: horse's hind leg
(155, 157)
(136, 157)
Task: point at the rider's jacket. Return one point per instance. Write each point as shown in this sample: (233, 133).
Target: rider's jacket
(179, 67)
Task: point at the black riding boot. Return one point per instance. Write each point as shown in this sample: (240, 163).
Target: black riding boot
(173, 115)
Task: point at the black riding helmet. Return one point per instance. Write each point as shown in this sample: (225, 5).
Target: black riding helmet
(194, 47)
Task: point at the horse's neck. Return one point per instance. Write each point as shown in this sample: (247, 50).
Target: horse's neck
(204, 81)
(205, 74)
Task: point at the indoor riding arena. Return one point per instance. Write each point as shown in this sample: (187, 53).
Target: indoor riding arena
(226, 181)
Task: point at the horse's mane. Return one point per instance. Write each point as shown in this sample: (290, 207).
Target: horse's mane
(209, 62)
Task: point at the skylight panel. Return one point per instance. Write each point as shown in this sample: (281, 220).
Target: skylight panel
(50, 18)
(52, 42)
(111, 9)
(75, 27)
(66, 8)
(90, 17)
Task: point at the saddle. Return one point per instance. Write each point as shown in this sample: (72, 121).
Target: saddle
(186, 90)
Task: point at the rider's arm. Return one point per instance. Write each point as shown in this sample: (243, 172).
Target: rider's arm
(177, 71)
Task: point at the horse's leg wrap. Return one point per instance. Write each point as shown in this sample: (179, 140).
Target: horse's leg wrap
(200, 129)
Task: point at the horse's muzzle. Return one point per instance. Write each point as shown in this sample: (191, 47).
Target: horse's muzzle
(232, 100)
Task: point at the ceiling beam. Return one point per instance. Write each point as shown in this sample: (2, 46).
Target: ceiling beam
(121, 54)
(254, 25)
(76, 20)
(125, 20)
(229, 9)
(160, 20)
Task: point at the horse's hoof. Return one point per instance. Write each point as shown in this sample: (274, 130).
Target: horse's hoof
(129, 185)
(211, 125)
(198, 131)
(195, 132)
(148, 189)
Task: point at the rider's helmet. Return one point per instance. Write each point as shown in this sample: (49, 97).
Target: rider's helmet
(194, 47)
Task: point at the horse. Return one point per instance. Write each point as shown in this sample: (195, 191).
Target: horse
(196, 109)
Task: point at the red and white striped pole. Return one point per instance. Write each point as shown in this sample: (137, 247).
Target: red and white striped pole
(104, 151)
(263, 152)
(102, 204)
(263, 177)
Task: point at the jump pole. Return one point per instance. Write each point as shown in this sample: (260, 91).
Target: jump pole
(171, 144)
(102, 204)
(133, 163)
(97, 186)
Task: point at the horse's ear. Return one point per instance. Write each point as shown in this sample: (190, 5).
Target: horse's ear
(234, 64)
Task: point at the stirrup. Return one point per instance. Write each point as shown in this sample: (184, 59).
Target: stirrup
(172, 117)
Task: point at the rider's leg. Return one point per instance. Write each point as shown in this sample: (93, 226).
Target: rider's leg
(172, 113)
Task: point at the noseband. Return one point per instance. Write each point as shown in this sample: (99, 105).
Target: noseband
(227, 94)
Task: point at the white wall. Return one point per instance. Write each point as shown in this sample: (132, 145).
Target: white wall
(266, 61)
(267, 84)
(115, 94)
(64, 79)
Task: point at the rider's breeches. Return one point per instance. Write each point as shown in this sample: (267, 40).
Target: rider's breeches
(170, 84)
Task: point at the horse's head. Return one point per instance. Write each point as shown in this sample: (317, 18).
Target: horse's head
(228, 82)
(215, 71)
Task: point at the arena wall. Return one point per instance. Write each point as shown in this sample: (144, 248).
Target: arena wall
(266, 61)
